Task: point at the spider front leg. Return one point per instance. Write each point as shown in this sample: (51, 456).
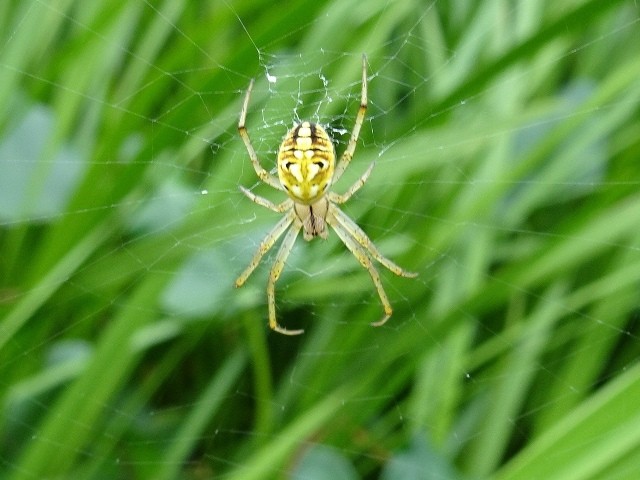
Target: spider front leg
(266, 244)
(366, 262)
(274, 274)
(278, 265)
(356, 233)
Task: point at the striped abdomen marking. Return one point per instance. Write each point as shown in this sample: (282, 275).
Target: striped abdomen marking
(306, 161)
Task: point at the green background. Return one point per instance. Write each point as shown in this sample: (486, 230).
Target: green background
(506, 137)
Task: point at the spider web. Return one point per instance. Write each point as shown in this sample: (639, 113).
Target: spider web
(124, 346)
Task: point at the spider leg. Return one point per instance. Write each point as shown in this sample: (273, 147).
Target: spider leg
(264, 175)
(351, 146)
(263, 202)
(340, 199)
(266, 244)
(276, 270)
(359, 252)
(357, 234)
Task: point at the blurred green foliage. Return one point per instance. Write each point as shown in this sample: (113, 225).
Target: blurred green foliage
(506, 137)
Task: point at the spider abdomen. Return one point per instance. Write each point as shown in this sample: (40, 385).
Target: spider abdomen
(306, 161)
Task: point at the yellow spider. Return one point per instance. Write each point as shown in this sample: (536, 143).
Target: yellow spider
(306, 170)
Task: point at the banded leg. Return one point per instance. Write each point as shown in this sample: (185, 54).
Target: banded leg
(351, 146)
(266, 244)
(359, 252)
(357, 185)
(338, 217)
(263, 202)
(264, 175)
(276, 270)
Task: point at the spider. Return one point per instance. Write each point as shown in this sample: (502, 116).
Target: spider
(306, 171)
